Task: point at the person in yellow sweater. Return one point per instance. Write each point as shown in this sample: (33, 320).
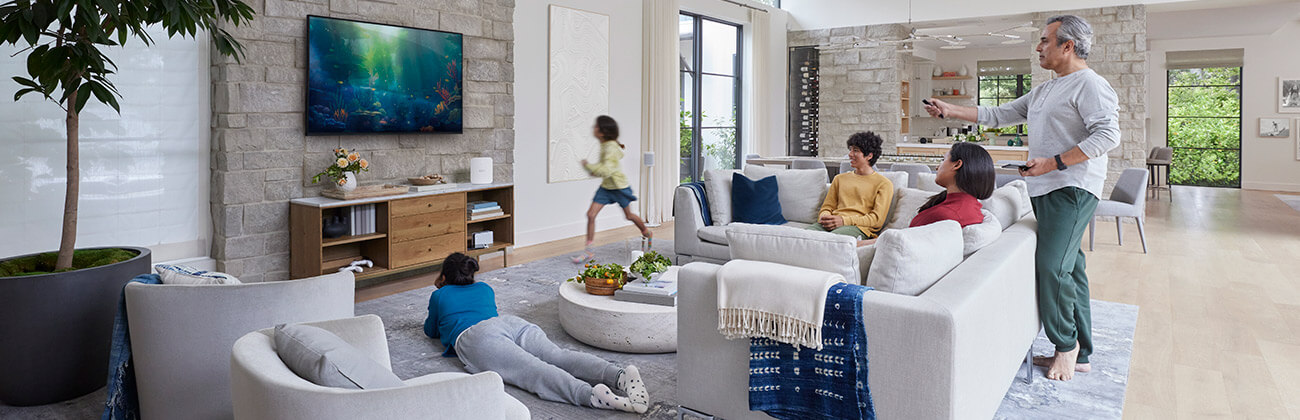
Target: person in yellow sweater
(614, 188)
(858, 201)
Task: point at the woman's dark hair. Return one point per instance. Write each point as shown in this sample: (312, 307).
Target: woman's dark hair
(458, 269)
(975, 177)
(608, 129)
(867, 142)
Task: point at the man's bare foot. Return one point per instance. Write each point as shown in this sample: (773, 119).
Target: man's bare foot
(1063, 363)
(1046, 361)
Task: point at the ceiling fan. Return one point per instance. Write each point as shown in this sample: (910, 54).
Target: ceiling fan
(951, 41)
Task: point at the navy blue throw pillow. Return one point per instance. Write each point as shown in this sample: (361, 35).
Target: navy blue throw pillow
(755, 201)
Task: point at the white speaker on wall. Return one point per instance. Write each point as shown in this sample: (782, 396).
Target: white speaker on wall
(480, 170)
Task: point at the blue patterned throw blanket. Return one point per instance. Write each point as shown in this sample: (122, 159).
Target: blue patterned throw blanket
(122, 402)
(831, 383)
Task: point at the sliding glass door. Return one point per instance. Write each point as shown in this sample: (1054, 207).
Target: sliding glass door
(710, 80)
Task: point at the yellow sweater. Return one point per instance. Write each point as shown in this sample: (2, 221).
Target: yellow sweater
(862, 200)
(610, 166)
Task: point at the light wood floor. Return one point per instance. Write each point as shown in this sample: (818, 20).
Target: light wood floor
(1218, 332)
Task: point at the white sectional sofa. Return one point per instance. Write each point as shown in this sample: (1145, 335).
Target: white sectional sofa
(801, 192)
(948, 352)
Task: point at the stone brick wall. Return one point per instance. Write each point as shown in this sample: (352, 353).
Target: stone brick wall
(859, 85)
(1119, 53)
(261, 158)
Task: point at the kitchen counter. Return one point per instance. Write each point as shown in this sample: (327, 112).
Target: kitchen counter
(932, 149)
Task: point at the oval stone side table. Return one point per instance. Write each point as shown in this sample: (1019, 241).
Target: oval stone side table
(627, 327)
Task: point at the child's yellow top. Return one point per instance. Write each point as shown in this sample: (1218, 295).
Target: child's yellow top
(610, 166)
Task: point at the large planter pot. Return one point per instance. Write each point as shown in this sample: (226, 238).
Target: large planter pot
(57, 329)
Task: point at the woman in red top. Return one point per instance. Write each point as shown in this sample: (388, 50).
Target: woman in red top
(967, 175)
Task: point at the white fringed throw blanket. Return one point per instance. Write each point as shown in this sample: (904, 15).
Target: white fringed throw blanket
(776, 301)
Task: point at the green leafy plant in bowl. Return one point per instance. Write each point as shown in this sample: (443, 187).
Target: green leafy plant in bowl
(650, 263)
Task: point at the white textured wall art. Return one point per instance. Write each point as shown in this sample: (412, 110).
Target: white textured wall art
(579, 90)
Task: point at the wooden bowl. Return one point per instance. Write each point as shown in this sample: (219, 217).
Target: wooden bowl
(426, 181)
(599, 287)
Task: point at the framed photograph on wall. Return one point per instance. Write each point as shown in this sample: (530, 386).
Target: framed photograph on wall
(1288, 95)
(1275, 127)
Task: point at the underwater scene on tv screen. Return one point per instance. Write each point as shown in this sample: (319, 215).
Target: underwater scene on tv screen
(372, 78)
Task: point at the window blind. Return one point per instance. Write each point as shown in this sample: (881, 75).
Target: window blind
(1204, 58)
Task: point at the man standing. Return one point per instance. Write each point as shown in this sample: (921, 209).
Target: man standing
(1074, 121)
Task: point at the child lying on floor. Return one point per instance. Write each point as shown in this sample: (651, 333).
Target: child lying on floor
(463, 314)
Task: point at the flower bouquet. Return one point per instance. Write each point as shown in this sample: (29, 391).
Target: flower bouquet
(601, 279)
(344, 169)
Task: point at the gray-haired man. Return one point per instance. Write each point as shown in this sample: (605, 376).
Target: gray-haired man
(1074, 121)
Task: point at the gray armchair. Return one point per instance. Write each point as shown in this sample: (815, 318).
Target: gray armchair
(1128, 199)
(181, 335)
(264, 388)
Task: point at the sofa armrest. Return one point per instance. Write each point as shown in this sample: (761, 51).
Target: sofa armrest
(688, 219)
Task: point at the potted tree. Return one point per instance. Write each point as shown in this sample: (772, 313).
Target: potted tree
(58, 308)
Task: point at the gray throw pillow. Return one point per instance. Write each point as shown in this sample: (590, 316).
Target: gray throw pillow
(324, 359)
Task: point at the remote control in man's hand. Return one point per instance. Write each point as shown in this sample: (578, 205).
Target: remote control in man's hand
(927, 103)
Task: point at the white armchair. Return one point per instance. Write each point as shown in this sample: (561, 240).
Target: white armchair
(181, 335)
(264, 388)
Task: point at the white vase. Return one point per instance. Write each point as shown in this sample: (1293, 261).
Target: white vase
(349, 181)
(963, 71)
(938, 71)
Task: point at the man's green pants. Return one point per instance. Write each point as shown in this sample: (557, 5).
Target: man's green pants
(1063, 215)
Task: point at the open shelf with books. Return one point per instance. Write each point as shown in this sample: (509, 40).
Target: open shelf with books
(398, 233)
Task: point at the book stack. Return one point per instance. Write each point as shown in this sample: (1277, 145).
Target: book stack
(661, 290)
(484, 209)
(363, 219)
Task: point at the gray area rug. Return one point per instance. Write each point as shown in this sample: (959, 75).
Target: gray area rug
(529, 291)
(1290, 200)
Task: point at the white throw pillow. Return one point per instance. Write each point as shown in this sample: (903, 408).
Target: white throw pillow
(800, 191)
(909, 261)
(977, 236)
(899, 179)
(180, 274)
(925, 182)
(907, 203)
(717, 189)
(1009, 203)
(824, 251)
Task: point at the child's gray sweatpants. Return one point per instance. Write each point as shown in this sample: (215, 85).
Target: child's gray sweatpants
(520, 352)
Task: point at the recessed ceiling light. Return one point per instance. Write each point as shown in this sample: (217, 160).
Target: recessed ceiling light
(1013, 41)
(953, 47)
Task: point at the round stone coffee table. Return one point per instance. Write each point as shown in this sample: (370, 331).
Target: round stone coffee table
(627, 327)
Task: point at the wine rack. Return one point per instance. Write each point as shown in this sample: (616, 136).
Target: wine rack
(804, 91)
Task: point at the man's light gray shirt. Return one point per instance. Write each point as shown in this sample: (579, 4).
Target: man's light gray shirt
(1078, 109)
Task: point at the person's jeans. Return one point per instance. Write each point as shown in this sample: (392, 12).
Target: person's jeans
(1063, 304)
(521, 353)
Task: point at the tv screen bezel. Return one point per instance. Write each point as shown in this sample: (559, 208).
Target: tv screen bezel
(306, 93)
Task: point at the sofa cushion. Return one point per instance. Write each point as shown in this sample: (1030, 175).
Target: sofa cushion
(800, 191)
(925, 182)
(1009, 203)
(907, 203)
(755, 201)
(322, 358)
(717, 188)
(815, 250)
(980, 235)
(866, 254)
(180, 274)
(909, 261)
(899, 179)
(714, 234)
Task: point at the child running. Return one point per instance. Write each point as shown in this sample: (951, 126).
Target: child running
(463, 314)
(613, 189)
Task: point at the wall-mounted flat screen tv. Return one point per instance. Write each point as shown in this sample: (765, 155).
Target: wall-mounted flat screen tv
(372, 78)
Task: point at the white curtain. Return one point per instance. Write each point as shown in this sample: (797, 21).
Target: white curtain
(756, 132)
(660, 111)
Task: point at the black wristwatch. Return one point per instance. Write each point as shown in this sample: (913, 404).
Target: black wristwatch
(1060, 165)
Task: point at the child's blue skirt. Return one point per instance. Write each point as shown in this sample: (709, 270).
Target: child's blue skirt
(623, 197)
